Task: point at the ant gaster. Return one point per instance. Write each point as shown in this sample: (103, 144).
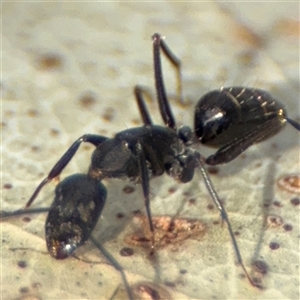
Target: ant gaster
(230, 118)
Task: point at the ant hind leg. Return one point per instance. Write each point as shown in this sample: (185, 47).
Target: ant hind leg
(65, 159)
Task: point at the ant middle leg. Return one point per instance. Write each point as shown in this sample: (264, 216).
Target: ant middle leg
(143, 170)
(64, 160)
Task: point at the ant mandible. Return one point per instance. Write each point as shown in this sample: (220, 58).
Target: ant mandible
(231, 118)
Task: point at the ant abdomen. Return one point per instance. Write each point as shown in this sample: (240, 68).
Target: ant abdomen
(235, 118)
(79, 200)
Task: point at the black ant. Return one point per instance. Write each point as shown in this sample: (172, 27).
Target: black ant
(230, 118)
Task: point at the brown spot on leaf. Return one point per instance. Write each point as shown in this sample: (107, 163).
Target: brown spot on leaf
(126, 251)
(149, 291)
(26, 219)
(213, 170)
(33, 113)
(167, 231)
(7, 186)
(49, 62)
(22, 264)
(172, 189)
(290, 183)
(295, 201)
(128, 189)
(274, 221)
(120, 216)
(87, 99)
(108, 115)
(287, 227)
(288, 27)
(274, 246)
(54, 132)
(245, 35)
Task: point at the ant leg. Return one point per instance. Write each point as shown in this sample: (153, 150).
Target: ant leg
(139, 92)
(65, 159)
(145, 185)
(164, 106)
(115, 264)
(224, 216)
(233, 149)
(176, 63)
(295, 124)
(9, 214)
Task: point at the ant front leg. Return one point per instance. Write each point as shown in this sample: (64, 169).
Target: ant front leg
(221, 208)
(65, 159)
(188, 162)
(164, 106)
(295, 124)
(233, 149)
(176, 63)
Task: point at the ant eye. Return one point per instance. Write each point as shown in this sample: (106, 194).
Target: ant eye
(185, 134)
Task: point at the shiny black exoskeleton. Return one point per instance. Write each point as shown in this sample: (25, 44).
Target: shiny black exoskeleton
(230, 118)
(159, 146)
(234, 118)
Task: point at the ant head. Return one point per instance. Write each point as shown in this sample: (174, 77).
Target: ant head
(214, 114)
(63, 245)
